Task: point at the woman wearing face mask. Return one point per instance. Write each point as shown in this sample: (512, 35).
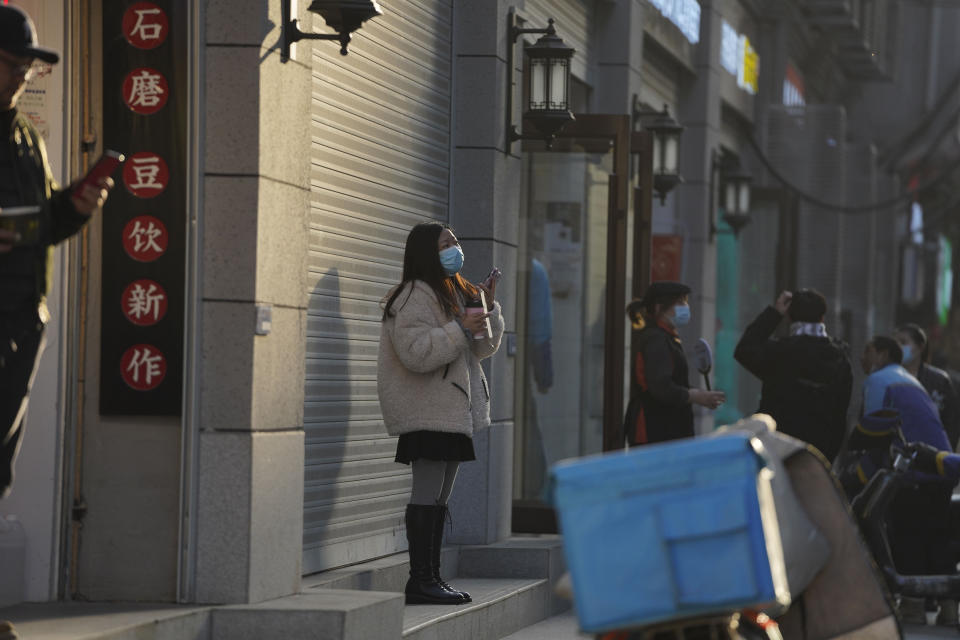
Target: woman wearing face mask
(913, 342)
(432, 391)
(661, 368)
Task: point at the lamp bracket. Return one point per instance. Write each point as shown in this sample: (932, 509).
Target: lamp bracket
(513, 134)
(292, 34)
(642, 110)
(516, 32)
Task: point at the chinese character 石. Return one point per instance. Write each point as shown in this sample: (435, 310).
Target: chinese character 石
(146, 170)
(146, 90)
(145, 239)
(143, 302)
(146, 30)
(146, 362)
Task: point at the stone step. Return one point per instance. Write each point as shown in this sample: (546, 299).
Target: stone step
(383, 574)
(511, 584)
(321, 613)
(500, 607)
(530, 557)
(559, 627)
(108, 621)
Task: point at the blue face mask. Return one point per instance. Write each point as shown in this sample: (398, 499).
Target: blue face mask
(907, 353)
(681, 315)
(452, 259)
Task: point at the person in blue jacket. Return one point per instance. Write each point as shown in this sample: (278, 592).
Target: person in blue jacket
(919, 516)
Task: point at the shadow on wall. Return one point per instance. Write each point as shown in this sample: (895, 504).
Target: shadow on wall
(326, 418)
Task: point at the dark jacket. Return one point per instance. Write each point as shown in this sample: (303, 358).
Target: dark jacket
(661, 409)
(807, 382)
(938, 384)
(58, 219)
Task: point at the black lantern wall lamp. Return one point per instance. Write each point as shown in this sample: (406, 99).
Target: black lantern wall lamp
(734, 183)
(344, 16)
(547, 82)
(666, 147)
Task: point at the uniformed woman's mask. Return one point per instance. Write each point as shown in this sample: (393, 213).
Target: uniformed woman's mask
(452, 259)
(681, 315)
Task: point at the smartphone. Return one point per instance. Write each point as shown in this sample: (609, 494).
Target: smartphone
(486, 321)
(105, 166)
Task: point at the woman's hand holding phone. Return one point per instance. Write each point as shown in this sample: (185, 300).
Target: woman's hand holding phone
(489, 286)
(474, 322)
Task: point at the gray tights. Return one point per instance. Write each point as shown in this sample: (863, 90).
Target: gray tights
(433, 481)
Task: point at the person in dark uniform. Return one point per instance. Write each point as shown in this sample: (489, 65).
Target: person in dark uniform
(916, 352)
(807, 377)
(26, 181)
(661, 406)
(26, 251)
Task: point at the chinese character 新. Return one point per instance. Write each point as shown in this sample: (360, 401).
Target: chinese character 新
(145, 239)
(144, 28)
(143, 302)
(145, 362)
(145, 90)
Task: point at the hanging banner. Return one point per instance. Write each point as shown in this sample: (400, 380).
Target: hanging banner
(667, 258)
(144, 220)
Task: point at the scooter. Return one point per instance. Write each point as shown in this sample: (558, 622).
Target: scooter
(870, 507)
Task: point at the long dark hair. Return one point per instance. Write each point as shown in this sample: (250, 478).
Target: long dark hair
(421, 261)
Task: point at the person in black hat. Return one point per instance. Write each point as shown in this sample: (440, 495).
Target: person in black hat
(806, 376)
(661, 408)
(26, 250)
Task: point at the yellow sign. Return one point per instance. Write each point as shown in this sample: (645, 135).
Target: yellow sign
(749, 76)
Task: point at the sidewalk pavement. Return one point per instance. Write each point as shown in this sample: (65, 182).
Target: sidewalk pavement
(564, 627)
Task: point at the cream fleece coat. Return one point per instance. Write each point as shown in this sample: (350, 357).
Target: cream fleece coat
(428, 371)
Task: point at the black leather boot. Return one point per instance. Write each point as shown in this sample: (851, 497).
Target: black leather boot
(422, 587)
(437, 547)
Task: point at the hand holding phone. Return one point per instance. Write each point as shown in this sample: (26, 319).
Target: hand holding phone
(491, 281)
(105, 166)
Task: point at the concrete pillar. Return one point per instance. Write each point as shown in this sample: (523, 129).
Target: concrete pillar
(699, 112)
(485, 196)
(619, 55)
(256, 199)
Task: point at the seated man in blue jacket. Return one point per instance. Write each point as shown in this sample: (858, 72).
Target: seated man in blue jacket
(918, 527)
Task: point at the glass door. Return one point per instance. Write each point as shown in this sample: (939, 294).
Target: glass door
(570, 293)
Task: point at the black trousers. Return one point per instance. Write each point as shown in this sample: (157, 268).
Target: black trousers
(919, 531)
(21, 343)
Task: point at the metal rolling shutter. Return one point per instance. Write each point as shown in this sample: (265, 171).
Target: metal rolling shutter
(380, 164)
(574, 22)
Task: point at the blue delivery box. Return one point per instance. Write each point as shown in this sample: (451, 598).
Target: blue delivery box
(670, 531)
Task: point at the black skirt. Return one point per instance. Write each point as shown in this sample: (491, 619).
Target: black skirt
(434, 445)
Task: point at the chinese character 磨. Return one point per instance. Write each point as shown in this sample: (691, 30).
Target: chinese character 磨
(145, 90)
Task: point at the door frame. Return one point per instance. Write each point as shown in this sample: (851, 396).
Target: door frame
(534, 516)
